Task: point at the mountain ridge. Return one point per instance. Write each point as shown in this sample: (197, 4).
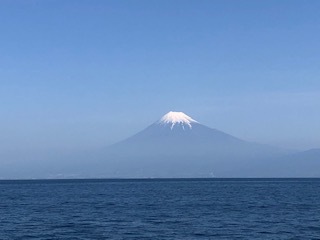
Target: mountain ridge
(170, 150)
(177, 141)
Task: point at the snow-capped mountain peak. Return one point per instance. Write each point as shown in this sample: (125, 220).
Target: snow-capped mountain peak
(174, 118)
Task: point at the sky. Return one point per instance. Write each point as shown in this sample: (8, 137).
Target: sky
(83, 74)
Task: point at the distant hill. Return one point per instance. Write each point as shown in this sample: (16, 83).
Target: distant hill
(301, 164)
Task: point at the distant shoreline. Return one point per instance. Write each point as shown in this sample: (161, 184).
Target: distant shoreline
(56, 180)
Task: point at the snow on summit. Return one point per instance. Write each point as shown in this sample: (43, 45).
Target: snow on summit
(174, 118)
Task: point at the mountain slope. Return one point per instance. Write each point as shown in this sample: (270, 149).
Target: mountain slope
(179, 146)
(174, 146)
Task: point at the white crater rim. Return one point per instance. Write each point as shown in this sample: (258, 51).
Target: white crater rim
(174, 118)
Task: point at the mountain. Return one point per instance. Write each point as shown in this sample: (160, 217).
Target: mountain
(174, 146)
(179, 146)
(306, 164)
(301, 164)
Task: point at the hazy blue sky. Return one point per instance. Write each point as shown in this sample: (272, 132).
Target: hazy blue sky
(84, 74)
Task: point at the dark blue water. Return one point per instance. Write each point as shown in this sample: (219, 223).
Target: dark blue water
(160, 209)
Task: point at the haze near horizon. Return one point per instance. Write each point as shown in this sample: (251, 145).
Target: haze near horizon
(82, 75)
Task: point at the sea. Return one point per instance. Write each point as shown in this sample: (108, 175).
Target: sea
(160, 209)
